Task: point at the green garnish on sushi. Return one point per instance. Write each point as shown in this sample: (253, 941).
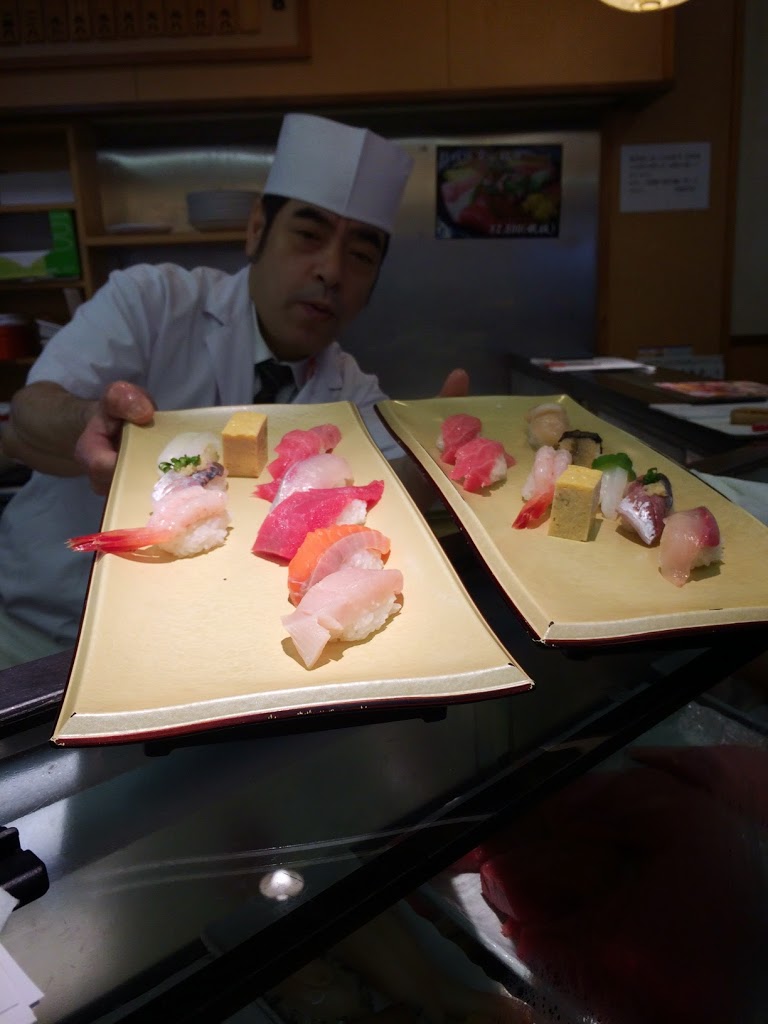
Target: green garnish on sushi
(183, 462)
(616, 460)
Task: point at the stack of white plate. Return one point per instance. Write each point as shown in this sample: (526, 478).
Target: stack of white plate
(220, 210)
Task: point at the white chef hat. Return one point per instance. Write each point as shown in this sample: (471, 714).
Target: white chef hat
(349, 171)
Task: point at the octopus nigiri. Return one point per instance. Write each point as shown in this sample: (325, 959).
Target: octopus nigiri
(349, 604)
(539, 487)
(328, 550)
(690, 538)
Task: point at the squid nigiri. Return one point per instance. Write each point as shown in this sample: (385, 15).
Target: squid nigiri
(455, 431)
(690, 538)
(288, 523)
(328, 550)
(349, 604)
(539, 487)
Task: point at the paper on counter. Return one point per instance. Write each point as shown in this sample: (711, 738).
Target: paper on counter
(598, 363)
(18, 993)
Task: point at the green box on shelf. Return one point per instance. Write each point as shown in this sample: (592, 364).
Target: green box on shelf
(60, 258)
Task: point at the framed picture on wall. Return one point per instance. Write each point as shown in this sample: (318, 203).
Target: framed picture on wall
(499, 191)
(66, 33)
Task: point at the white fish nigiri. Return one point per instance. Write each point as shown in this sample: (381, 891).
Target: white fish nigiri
(690, 538)
(317, 471)
(187, 454)
(546, 424)
(346, 605)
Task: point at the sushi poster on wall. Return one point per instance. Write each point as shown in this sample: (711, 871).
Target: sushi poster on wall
(499, 191)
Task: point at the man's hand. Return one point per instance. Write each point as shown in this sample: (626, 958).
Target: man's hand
(53, 431)
(96, 448)
(455, 385)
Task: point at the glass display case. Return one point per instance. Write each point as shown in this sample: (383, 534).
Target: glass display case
(189, 876)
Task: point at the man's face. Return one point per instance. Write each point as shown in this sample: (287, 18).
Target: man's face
(312, 277)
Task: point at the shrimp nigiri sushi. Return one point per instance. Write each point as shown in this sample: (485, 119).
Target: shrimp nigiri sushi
(349, 604)
(690, 538)
(186, 521)
(328, 550)
(287, 524)
(456, 431)
(480, 463)
(189, 504)
(539, 486)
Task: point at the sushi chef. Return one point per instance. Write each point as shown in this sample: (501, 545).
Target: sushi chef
(162, 337)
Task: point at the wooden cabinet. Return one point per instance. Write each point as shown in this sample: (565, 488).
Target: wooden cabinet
(561, 45)
(26, 226)
(388, 50)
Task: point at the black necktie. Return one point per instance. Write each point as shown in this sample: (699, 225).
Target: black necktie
(273, 378)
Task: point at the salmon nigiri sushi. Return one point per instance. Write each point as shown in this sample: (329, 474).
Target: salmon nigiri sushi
(349, 604)
(328, 550)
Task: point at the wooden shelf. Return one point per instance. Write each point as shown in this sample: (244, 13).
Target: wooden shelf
(169, 238)
(43, 284)
(36, 207)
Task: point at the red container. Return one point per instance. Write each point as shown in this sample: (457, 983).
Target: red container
(18, 337)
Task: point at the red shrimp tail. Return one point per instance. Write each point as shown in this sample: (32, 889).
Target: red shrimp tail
(119, 540)
(533, 510)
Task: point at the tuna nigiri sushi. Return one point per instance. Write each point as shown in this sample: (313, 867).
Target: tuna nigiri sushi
(690, 538)
(349, 604)
(480, 463)
(328, 550)
(288, 523)
(456, 431)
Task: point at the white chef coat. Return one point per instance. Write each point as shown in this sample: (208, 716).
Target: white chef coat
(190, 338)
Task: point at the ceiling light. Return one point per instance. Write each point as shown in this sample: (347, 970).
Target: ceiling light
(639, 6)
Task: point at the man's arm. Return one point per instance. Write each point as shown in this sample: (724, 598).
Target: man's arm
(53, 431)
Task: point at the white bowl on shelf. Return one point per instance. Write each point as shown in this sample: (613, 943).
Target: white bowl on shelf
(220, 209)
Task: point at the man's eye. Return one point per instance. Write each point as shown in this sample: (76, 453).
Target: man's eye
(310, 236)
(364, 257)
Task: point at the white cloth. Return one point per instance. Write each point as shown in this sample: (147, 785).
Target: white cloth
(189, 338)
(750, 494)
